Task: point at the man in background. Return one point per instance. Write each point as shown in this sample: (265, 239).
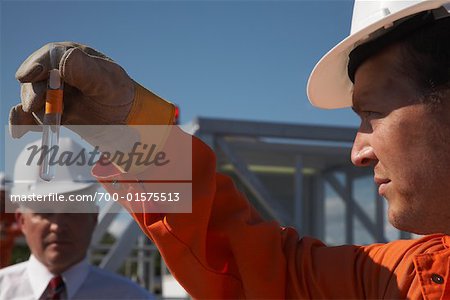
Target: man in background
(58, 235)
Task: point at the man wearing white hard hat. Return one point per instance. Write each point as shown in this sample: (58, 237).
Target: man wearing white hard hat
(8, 226)
(58, 235)
(394, 71)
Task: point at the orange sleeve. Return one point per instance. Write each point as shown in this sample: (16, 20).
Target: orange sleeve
(224, 249)
(150, 109)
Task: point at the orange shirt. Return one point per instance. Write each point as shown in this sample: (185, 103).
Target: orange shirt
(224, 249)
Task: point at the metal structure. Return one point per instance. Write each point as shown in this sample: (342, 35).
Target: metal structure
(299, 175)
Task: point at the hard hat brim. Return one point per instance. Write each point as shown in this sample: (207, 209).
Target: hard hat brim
(329, 86)
(46, 188)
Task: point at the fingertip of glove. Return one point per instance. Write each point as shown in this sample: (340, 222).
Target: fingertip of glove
(30, 73)
(20, 122)
(13, 113)
(13, 116)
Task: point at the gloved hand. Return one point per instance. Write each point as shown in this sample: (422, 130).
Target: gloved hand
(97, 91)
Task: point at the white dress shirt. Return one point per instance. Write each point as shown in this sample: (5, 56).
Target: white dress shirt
(29, 281)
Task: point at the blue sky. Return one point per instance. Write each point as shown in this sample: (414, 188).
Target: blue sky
(229, 59)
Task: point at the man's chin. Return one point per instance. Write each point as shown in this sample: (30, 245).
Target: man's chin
(407, 222)
(57, 262)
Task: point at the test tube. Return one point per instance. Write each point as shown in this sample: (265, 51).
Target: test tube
(52, 116)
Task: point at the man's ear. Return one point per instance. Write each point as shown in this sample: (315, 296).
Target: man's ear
(95, 216)
(20, 220)
(95, 213)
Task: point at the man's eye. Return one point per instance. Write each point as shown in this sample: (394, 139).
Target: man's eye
(370, 114)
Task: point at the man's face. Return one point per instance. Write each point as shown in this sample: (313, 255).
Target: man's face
(58, 240)
(406, 142)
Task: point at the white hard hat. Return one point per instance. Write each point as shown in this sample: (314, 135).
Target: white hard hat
(68, 178)
(329, 85)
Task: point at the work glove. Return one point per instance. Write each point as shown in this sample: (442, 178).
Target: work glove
(97, 90)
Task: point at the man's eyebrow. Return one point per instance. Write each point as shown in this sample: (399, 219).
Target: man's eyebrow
(360, 100)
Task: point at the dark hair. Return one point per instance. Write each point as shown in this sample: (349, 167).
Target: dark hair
(426, 54)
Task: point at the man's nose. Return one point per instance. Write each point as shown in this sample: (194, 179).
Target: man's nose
(57, 222)
(363, 154)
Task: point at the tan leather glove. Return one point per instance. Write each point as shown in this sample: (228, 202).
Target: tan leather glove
(97, 90)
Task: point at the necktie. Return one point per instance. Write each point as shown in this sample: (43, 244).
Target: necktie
(56, 288)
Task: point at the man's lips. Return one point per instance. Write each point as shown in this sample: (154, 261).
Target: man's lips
(382, 184)
(58, 242)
